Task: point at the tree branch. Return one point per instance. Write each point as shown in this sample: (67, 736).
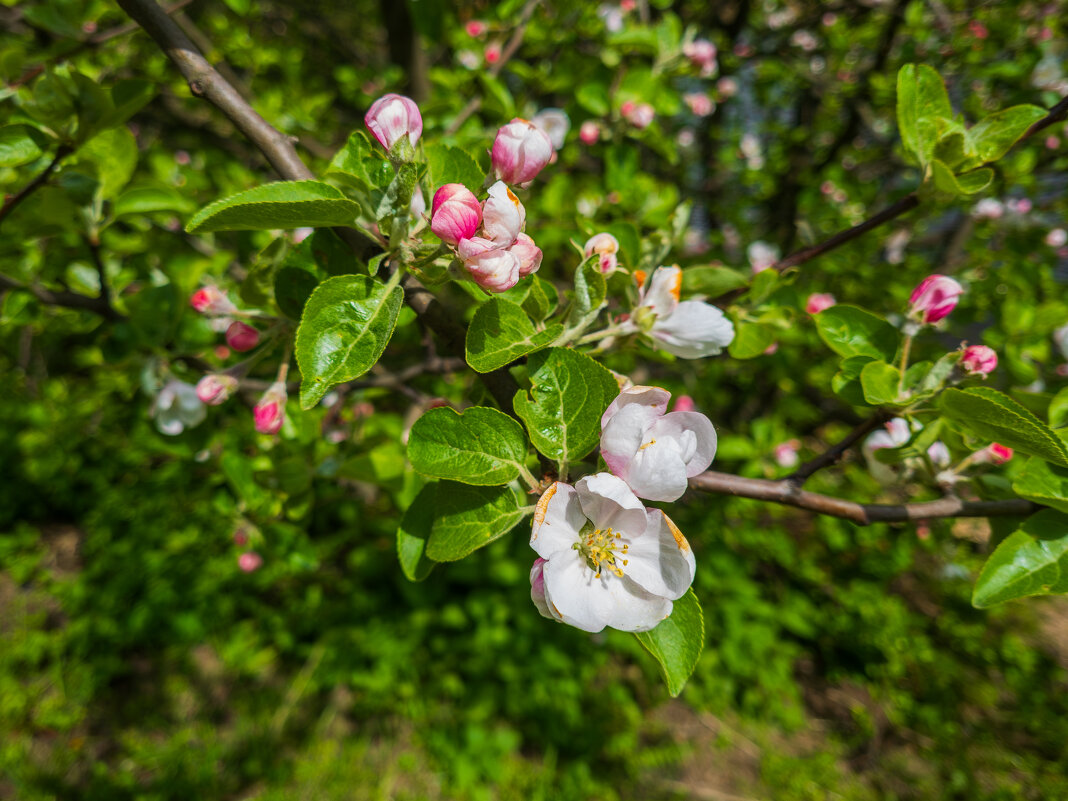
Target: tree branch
(788, 494)
(834, 453)
(70, 300)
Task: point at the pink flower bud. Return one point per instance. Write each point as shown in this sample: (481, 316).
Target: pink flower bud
(589, 132)
(503, 215)
(528, 253)
(475, 28)
(491, 267)
(934, 298)
(702, 54)
(393, 116)
(626, 6)
(456, 213)
(211, 300)
(786, 453)
(684, 403)
(492, 53)
(640, 115)
(728, 87)
(520, 151)
(249, 561)
(700, 103)
(979, 360)
(215, 388)
(818, 301)
(242, 337)
(999, 454)
(240, 537)
(606, 247)
(270, 411)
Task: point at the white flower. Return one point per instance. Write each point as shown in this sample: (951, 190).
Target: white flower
(608, 561)
(493, 268)
(652, 450)
(690, 329)
(503, 215)
(893, 435)
(761, 256)
(555, 123)
(177, 408)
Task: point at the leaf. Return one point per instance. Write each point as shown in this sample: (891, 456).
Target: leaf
(563, 408)
(590, 292)
(128, 96)
(712, 281)
(850, 331)
(150, 199)
(413, 533)
(292, 288)
(1033, 560)
(467, 518)
(1043, 483)
(113, 156)
(479, 446)
(751, 340)
(500, 333)
(359, 159)
(936, 377)
(676, 643)
(965, 184)
(346, 325)
(879, 382)
(993, 136)
(846, 382)
(451, 165)
(285, 204)
(541, 300)
(921, 100)
(1058, 410)
(992, 415)
(19, 144)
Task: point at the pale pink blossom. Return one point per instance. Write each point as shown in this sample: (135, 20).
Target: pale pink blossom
(503, 215)
(1057, 237)
(392, 117)
(939, 454)
(555, 123)
(762, 256)
(979, 360)
(270, 412)
(818, 301)
(491, 266)
(249, 561)
(702, 54)
(700, 103)
(640, 115)
(242, 337)
(520, 151)
(211, 301)
(786, 454)
(455, 213)
(934, 298)
(727, 87)
(689, 329)
(528, 253)
(605, 246)
(214, 388)
(589, 132)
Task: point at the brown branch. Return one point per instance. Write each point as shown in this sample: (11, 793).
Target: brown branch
(836, 452)
(11, 203)
(788, 494)
(69, 300)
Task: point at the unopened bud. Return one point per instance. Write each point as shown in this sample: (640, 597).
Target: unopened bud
(242, 337)
(589, 132)
(684, 403)
(999, 454)
(215, 388)
(249, 561)
(528, 253)
(456, 213)
(493, 268)
(520, 151)
(979, 360)
(934, 298)
(605, 246)
(270, 411)
(818, 301)
(640, 115)
(392, 117)
(212, 301)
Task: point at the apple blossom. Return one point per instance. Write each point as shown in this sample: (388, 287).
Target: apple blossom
(555, 123)
(520, 151)
(818, 301)
(392, 117)
(492, 267)
(998, 454)
(503, 215)
(606, 247)
(271, 409)
(492, 53)
(640, 115)
(1060, 338)
(177, 408)
(786, 454)
(653, 450)
(589, 132)
(475, 28)
(242, 337)
(528, 253)
(894, 434)
(417, 206)
(211, 301)
(249, 561)
(683, 403)
(1056, 238)
(988, 208)
(979, 360)
(215, 388)
(604, 559)
(455, 213)
(934, 298)
(762, 256)
(939, 454)
(700, 103)
(702, 54)
(689, 329)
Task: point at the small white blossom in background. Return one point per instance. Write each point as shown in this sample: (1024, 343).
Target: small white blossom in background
(612, 16)
(761, 255)
(700, 103)
(988, 209)
(555, 123)
(640, 115)
(939, 454)
(1057, 238)
(895, 246)
(727, 87)
(786, 454)
(689, 329)
(1060, 338)
(177, 408)
(604, 559)
(894, 434)
(300, 234)
(702, 54)
(655, 451)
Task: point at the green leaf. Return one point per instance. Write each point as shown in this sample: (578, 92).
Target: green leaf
(1058, 410)
(964, 184)
(128, 96)
(992, 415)
(467, 518)
(936, 377)
(563, 408)
(751, 340)
(413, 533)
(712, 281)
(1043, 483)
(451, 165)
(1033, 560)
(850, 331)
(500, 333)
(347, 323)
(286, 204)
(19, 144)
(676, 643)
(921, 100)
(541, 300)
(150, 199)
(113, 156)
(590, 292)
(846, 382)
(292, 288)
(993, 136)
(361, 160)
(879, 382)
(480, 446)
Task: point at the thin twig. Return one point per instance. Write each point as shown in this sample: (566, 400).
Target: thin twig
(69, 300)
(834, 453)
(12, 202)
(788, 494)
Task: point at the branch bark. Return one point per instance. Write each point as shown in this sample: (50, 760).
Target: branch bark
(834, 453)
(69, 300)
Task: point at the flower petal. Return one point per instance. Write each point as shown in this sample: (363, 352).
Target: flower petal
(660, 560)
(623, 435)
(703, 431)
(657, 472)
(608, 502)
(663, 290)
(558, 518)
(652, 400)
(537, 589)
(694, 330)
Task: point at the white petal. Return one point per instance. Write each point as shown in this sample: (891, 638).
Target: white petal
(652, 400)
(694, 330)
(537, 589)
(557, 520)
(608, 502)
(703, 431)
(663, 290)
(590, 603)
(657, 472)
(622, 437)
(660, 560)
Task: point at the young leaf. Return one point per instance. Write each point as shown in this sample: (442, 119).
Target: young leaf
(967, 183)
(993, 136)
(850, 331)
(712, 281)
(879, 382)
(846, 382)
(413, 533)
(19, 144)
(1033, 560)
(992, 415)
(361, 161)
(751, 339)
(347, 323)
(500, 333)
(450, 165)
(563, 408)
(478, 446)
(467, 518)
(590, 292)
(541, 300)
(286, 204)
(1043, 483)
(921, 100)
(676, 643)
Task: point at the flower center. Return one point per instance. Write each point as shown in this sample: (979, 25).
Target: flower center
(602, 549)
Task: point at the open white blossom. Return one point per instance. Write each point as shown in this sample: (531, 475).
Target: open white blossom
(177, 408)
(606, 560)
(690, 329)
(654, 451)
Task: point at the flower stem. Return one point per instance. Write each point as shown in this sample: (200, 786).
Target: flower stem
(528, 477)
(604, 333)
(905, 348)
